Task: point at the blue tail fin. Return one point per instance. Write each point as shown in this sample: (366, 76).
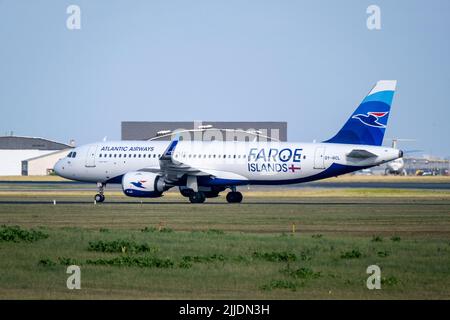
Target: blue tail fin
(368, 123)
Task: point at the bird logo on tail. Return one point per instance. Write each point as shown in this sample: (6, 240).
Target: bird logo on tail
(371, 119)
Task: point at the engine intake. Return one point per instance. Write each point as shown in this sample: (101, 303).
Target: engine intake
(143, 185)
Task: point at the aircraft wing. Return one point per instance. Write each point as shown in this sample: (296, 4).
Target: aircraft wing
(173, 170)
(220, 174)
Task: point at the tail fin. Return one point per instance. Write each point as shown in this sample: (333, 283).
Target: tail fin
(368, 123)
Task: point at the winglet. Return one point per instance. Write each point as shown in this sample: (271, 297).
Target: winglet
(167, 155)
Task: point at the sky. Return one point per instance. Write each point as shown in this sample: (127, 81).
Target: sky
(309, 63)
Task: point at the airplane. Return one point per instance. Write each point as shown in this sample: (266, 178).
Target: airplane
(397, 166)
(204, 169)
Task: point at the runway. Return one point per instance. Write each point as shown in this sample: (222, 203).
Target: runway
(378, 185)
(78, 186)
(183, 203)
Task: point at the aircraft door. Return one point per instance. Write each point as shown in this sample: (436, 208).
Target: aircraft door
(90, 157)
(319, 158)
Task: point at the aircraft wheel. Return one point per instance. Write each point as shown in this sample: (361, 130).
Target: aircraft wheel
(186, 192)
(99, 198)
(234, 197)
(197, 197)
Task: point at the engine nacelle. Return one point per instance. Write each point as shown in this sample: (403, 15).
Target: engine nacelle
(143, 184)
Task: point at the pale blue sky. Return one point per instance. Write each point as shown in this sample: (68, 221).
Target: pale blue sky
(306, 62)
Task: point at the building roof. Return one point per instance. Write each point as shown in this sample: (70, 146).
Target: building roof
(30, 143)
(144, 130)
(47, 154)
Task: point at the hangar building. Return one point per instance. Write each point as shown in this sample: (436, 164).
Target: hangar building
(144, 130)
(15, 152)
(42, 165)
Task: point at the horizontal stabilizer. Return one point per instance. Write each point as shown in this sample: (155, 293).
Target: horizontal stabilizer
(361, 154)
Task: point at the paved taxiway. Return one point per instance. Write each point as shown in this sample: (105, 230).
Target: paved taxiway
(79, 186)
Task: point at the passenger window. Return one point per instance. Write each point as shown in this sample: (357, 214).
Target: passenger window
(120, 155)
(139, 155)
(115, 155)
(134, 155)
(110, 155)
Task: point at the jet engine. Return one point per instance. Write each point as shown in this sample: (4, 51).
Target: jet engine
(143, 185)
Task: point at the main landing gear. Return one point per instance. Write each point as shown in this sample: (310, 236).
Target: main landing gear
(200, 196)
(99, 197)
(197, 197)
(234, 197)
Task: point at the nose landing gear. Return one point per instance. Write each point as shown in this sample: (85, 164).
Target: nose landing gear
(99, 197)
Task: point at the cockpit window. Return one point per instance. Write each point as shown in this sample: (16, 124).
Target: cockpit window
(69, 155)
(74, 155)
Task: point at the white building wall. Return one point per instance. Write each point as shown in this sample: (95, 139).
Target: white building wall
(40, 166)
(11, 160)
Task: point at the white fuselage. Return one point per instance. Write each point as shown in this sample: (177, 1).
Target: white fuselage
(237, 162)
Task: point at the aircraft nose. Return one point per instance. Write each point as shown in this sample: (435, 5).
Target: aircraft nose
(58, 168)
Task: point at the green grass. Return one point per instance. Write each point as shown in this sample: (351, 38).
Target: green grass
(175, 250)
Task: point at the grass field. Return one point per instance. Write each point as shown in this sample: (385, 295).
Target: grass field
(288, 244)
